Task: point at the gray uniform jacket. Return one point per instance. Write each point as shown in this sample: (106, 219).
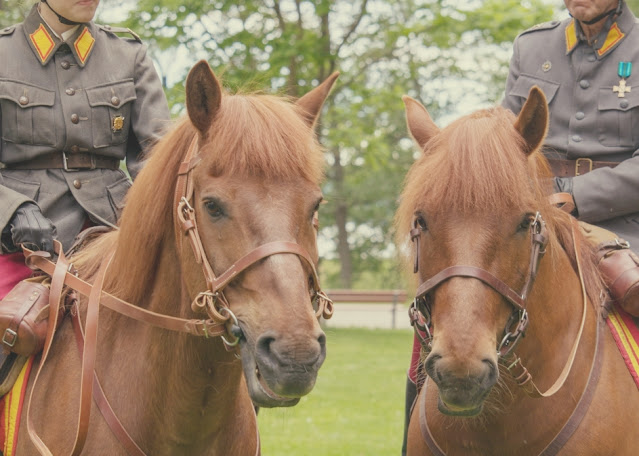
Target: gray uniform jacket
(96, 93)
(587, 118)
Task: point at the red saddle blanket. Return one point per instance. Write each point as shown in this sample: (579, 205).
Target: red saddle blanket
(625, 330)
(11, 409)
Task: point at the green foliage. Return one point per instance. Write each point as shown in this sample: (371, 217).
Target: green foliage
(13, 11)
(357, 405)
(447, 53)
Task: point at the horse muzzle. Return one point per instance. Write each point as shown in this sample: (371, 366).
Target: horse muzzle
(279, 371)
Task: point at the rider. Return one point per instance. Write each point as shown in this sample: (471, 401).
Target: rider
(584, 65)
(75, 100)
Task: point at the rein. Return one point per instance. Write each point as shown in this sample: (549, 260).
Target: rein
(523, 378)
(221, 319)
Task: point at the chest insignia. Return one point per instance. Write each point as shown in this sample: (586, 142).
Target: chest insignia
(624, 70)
(42, 42)
(117, 123)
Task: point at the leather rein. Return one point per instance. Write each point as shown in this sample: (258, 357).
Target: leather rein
(220, 322)
(419, 314)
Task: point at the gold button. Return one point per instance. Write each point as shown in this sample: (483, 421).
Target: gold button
(115, 101)
(75, 118)
(75, 149)
(65, 64)
(77, 184)
(70, 91)
(23, 100)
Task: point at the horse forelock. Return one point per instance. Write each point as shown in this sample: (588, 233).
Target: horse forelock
(477, 166)
(262, 136)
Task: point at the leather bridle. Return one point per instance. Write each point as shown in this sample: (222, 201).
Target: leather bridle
(212, 301)
(419, 314)
(420, 308)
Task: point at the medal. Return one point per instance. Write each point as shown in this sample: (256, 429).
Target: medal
(624, 70)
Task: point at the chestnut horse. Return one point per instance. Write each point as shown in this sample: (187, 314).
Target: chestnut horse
(497, 261)
(251, 167)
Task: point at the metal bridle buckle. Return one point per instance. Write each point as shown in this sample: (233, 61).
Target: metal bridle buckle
(235, 322)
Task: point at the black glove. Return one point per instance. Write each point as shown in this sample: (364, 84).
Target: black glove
(564, 185)
(31, 228)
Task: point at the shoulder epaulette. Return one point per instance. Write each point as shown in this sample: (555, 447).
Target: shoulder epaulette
(543, 26)
(114, 30)
(7, 31)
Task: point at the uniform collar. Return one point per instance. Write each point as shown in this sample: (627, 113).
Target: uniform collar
(44, 42)
(610, 37)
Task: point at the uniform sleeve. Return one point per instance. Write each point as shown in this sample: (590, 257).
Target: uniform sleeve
(510, 101)
(150, 115)
(607, 193)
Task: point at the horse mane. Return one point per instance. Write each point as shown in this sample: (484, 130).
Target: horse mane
(476, 164)
(253, 135)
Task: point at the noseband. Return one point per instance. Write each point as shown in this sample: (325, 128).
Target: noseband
(420, 308)
(212, 300)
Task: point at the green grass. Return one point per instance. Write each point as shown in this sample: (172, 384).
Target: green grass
(357, 405)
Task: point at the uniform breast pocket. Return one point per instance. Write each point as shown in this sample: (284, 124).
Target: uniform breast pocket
(525, 82)
(111, 112)
(618, 123)
(28, 116)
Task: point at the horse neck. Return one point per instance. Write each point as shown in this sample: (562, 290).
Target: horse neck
(179, 383)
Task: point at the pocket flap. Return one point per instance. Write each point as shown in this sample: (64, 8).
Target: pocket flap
(610, 100)
(114, 94)
(25, 95)
(525, 82)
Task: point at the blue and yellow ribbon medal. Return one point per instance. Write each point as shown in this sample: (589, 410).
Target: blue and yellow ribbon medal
(624, 70)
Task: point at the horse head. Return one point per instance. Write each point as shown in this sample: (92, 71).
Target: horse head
(470, 204)
(255, 197)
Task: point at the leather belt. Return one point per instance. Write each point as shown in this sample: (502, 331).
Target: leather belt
(71, 162)
(572, 168)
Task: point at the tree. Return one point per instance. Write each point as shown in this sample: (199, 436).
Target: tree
(446, 53)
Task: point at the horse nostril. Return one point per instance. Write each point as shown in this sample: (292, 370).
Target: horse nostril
(263, 346)
(492, 371)
(430, 365)
(322, 340)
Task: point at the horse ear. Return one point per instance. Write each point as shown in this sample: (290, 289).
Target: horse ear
(311, 104)
(420, 124)
(532, 122)
(203, 96)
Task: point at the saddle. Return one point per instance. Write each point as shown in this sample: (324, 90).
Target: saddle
(24, 315)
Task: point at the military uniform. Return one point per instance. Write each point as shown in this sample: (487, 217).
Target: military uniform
(593, 114)
(69, 112)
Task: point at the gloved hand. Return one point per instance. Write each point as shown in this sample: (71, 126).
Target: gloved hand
(564, 185)
(31, 228)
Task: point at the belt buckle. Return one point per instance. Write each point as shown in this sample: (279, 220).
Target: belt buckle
(588, 160)
(65, 163)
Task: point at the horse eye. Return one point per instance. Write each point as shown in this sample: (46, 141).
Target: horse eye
(420, 223)
(214, 209)
(526, 222)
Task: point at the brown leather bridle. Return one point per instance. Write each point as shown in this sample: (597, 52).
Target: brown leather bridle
(212, 301)
(419, 311)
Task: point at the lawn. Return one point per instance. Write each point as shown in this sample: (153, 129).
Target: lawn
(357, 406)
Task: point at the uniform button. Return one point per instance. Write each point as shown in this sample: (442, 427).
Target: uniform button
(23, 100)
(584, 84)
(75, 118)
(70, 91)
(77, 184)
(579, 115)
(623, 103)
(576, 138)
(115, 101)
(65, 65)
(75, 149)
